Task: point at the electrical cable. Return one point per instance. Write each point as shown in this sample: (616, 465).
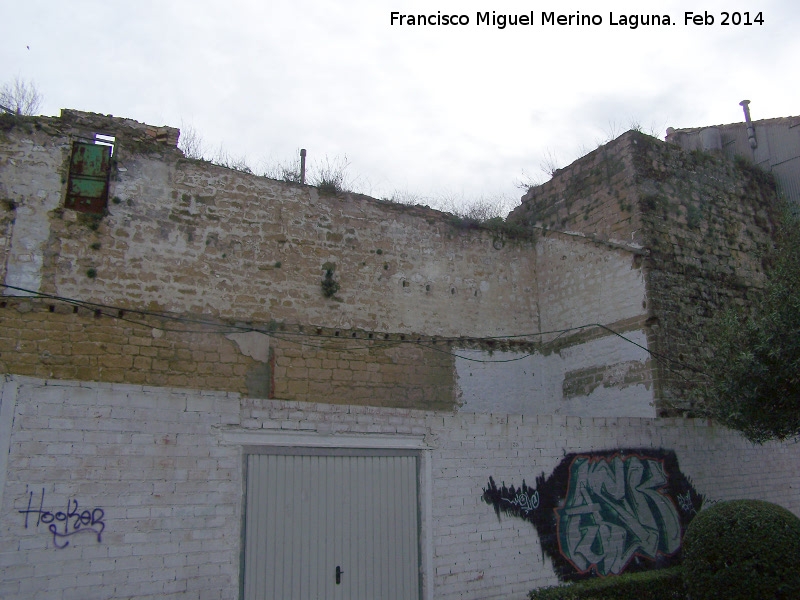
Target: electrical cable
(215, 327)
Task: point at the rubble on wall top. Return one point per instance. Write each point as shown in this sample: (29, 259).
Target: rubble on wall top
(128, 128)
(77, 122)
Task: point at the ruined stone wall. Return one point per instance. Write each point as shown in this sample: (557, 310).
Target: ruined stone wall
(708, 223)
(52, 339)
(656, 240)
(698, 225)
(595, 195)
(221, 251)
(190, 237)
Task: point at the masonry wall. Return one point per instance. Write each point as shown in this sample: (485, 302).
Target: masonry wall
(190, 256)
(190, 237)
(591, 358)
(708, 224)
(596, 195)
(58, 340)
(160, 472)
(698, 224)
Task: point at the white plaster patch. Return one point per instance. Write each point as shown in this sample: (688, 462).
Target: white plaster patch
(533, 384)
(252, 344)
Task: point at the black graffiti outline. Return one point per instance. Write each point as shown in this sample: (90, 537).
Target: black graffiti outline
(518, 502)
(86, 521)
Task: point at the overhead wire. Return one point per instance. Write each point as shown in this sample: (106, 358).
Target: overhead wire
(215, 327)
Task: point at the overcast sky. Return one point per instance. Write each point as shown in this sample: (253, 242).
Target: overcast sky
(464, 110)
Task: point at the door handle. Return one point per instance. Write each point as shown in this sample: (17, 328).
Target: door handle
(339, 575)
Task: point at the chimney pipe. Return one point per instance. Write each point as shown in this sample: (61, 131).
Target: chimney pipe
(751, 131)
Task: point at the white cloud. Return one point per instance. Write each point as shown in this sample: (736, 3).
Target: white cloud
(418, 108)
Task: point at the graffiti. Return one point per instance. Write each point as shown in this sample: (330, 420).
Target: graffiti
(602, 513)
(517, 502)
(525, 502)
(685, 502)
(64, 524)
(614, 509)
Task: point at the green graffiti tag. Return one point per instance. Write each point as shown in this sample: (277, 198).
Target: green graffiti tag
(615, 508)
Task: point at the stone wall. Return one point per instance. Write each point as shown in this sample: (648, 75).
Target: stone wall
(700, 224)
(596, 195)
(190, 253)
(188, 236)
(54, 339)
(708, 223)
(160, 472)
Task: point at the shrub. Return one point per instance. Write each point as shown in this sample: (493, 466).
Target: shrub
(742, 549)
(662, 584)
(752, 384)
(331, 178)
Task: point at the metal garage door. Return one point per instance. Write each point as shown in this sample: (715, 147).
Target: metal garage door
(331, 527)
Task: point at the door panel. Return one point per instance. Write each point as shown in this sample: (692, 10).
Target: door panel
(306, 515)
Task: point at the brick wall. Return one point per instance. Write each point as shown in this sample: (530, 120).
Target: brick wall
(165, 467)
(168, 493)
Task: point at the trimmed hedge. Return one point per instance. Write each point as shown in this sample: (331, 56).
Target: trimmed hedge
(662, 584)
(742, 550)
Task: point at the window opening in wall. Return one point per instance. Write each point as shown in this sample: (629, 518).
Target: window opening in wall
(89, 169)
(105, 140)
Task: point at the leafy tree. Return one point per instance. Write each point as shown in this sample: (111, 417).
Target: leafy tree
(20, 97)
(754, 372)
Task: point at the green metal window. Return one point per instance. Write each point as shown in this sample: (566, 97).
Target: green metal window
(88, 178)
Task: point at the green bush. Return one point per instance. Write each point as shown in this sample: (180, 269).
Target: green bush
(742, 549)
(751, 382)
(663, 584)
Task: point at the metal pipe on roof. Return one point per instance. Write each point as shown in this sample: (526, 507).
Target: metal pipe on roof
(751, 130)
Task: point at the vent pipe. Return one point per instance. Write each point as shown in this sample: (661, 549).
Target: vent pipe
(303, 166)
(751, 131)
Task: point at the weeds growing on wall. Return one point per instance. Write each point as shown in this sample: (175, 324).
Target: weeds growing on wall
(757, 177)
(330, 176)
(190, 142)
(329, 285)
(484, 212)
(288, 171)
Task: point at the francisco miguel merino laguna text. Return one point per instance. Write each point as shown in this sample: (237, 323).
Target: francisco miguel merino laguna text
(502, 21)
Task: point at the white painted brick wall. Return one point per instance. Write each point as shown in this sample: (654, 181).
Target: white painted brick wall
(171, 487)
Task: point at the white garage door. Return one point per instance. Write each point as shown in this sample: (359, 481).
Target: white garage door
(328, 527)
